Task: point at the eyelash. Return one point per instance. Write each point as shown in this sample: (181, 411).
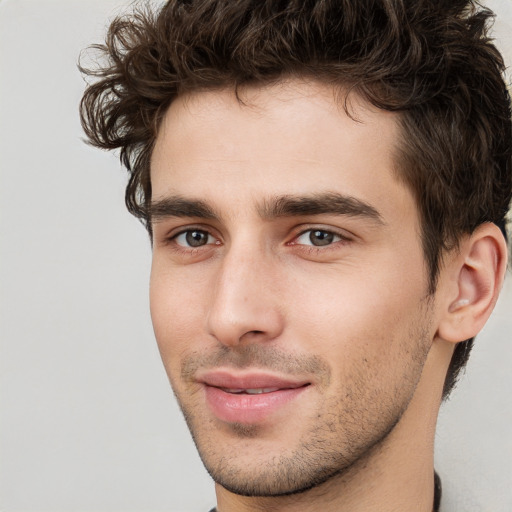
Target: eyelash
(337, 238)
(172, 240)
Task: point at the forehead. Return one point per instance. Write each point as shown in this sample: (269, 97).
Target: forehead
(293, 137)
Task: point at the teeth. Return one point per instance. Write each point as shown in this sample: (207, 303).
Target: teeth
(260, 390)
(256, 391)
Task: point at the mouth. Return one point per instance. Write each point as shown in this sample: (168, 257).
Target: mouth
(255, 391)
(250, 398)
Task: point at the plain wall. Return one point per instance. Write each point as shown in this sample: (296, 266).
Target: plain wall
(88, 420)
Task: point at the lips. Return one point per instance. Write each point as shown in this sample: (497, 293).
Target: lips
(257, 391)
(249, 398)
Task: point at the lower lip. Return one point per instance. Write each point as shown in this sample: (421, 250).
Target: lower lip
(245, 408)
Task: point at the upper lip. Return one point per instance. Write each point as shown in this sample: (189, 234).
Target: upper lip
(248, 380)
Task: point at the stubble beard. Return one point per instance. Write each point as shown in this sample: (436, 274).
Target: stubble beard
(350, 429)
(315, 462)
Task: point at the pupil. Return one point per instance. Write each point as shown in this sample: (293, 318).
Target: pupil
(321, 237)
(196, 238)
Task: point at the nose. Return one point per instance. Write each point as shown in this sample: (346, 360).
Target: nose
(245, 306)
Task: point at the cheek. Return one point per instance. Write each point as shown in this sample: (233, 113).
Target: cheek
(175, 305)
(375, 344)
(359, 311)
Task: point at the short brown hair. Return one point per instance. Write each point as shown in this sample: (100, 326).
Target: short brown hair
(429, 60)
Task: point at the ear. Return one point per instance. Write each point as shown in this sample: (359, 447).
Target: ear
(473, 277)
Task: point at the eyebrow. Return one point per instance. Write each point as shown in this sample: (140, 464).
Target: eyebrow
(177, 206)
(329, 203)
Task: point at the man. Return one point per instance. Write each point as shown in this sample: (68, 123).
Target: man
(325, 185)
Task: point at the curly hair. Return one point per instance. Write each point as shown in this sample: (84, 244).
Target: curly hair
(431, 61)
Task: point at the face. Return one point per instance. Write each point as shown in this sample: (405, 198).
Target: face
(288, 286)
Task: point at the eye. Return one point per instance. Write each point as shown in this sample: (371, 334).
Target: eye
(194, 238)
(317, 237)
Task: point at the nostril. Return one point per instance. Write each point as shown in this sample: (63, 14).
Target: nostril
(252, 335)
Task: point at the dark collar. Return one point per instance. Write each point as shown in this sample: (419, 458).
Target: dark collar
(437, 494)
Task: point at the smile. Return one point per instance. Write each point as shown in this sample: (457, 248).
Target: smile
(255, 391)
(249, 397)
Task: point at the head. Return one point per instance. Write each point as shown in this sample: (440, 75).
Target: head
(442, 77)
(423, 77)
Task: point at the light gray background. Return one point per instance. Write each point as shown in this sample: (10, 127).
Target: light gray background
(88, 420)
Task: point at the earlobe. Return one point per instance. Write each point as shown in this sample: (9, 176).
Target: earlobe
(478, 270)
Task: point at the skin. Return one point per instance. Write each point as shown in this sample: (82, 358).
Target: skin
(338, 299)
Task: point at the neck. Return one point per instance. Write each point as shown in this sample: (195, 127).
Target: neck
(396, 475)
